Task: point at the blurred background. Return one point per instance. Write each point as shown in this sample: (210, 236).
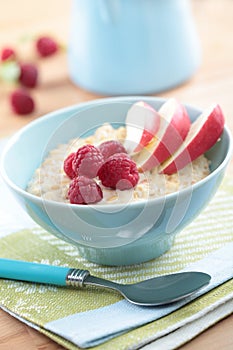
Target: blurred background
(22, 22)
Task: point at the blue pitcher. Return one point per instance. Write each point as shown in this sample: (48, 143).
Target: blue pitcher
(121, 47)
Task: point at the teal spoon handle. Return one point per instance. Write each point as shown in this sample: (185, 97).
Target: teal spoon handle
(42, 273)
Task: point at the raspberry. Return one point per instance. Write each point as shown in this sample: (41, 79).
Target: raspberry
(83, 190)
(119, 172)
(87, 161)
(22, 102)
(28, 75)
(67, 166)
(8, 54)
(46, 46)
(108, 148)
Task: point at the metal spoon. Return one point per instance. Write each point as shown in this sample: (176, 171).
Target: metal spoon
(155, 291)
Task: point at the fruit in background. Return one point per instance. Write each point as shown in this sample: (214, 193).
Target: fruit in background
(174, 127)
(46, 46)
(13, 71)
(22, 102)
(7, 53)
(28, 75)
(142, 123)
(9, 71)
(203, 134)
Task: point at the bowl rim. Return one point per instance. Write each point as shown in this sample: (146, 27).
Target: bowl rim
(89, 104)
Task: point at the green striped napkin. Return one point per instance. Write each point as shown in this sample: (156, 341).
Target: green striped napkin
(39, 304)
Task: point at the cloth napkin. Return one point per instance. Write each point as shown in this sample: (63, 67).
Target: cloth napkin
(101, 319)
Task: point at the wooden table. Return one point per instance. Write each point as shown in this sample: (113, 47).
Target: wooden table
(212, 83)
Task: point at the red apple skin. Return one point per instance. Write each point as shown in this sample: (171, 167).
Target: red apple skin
(150, 125)
(176, 132)
(199, 143)
(173, 137)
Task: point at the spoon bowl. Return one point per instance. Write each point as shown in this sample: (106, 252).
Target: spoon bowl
(154, 291)
(164, 289)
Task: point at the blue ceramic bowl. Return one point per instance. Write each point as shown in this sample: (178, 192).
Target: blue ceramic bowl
(106, 234)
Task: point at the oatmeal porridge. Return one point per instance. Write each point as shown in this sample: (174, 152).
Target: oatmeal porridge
(52, 183)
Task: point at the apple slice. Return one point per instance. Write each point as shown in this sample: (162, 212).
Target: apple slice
(203, 134)
(142, 123)
(174, 127)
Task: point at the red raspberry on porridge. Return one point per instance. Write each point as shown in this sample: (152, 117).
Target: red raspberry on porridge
(108, 148)
(68, 166)
(119, 172)
(87, 161)
(57, 176)
(83, 190)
